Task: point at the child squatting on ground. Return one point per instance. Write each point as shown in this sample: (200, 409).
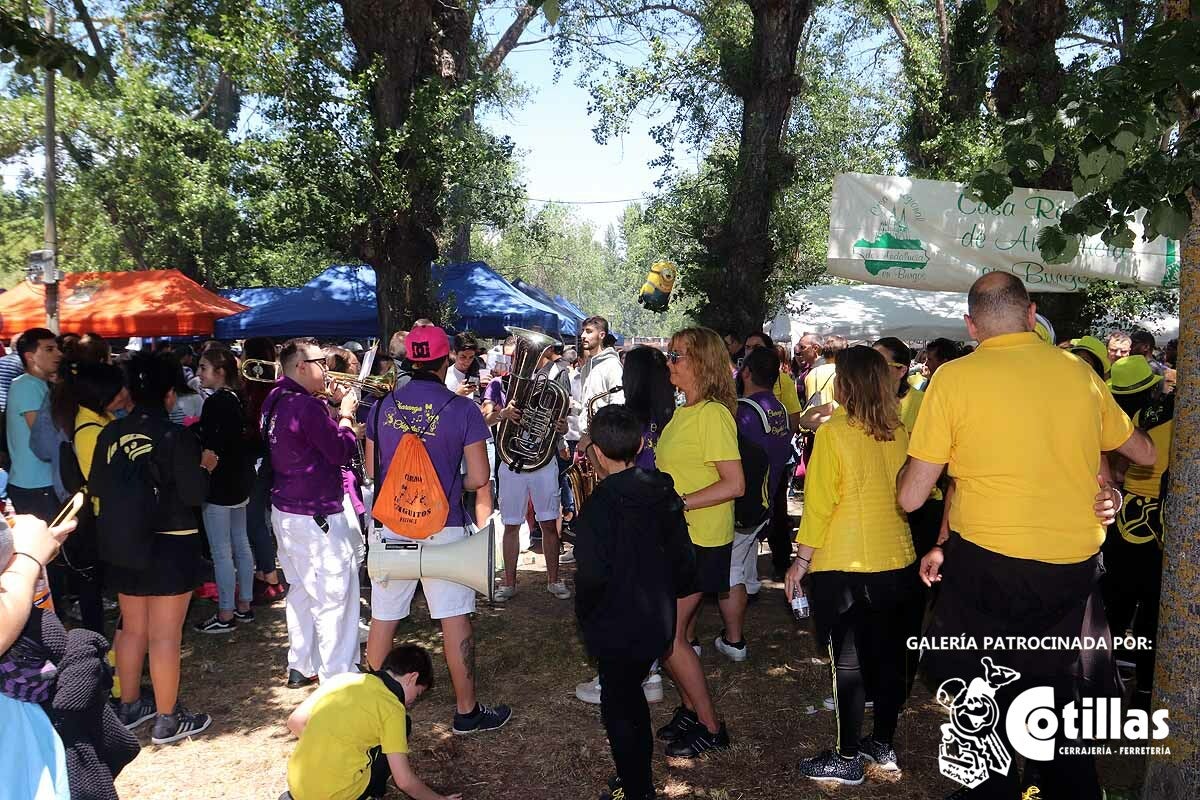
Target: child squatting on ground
(634, 557)
(354, 733)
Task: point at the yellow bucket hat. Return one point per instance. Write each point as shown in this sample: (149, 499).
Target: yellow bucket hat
(1132, 374)
(1094, 346)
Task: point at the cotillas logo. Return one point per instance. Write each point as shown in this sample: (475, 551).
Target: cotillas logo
(970, 748)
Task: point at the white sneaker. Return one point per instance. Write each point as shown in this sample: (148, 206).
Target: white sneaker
(504, 593)
(567, 556)
(590, 692)
(559, 590)
(696, 648)
(652, 687)
(729, 651)
(364, 631)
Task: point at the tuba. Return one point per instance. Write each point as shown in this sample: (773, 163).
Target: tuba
(581, 476)
(529, 444)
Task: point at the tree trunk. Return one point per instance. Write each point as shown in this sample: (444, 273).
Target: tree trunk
(412, 43)
(1177, 664)
(741, 254)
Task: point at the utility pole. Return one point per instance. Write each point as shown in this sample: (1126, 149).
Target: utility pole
(51, 227)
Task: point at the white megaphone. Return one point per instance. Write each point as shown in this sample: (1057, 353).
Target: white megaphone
(471, 561)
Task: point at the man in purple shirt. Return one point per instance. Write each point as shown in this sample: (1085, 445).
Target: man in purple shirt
(763, 420)
(319, 538)
(451, 427)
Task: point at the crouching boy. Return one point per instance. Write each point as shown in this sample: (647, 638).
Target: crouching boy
(354, 733)
(633, 557)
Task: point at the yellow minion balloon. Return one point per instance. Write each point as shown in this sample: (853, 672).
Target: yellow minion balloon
(656, 291)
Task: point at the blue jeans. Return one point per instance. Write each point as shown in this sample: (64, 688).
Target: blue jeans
(226, 529)
(258, 525)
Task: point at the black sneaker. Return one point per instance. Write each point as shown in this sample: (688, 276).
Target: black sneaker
(831, 767)
(684, 720)
(484, 718)
(215, 624)
(298, 680)
(134, 715)
(244, 616)
(884, 755)
(698, 741)
(180, 725)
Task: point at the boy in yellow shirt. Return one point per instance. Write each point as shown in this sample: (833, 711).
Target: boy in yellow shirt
(354, 733)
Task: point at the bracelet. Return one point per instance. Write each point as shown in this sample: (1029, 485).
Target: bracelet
(31, 558)
(805, 560)
(1120, 499)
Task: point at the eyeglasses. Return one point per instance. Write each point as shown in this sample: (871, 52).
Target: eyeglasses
(321, 361)
(897, 366)
(674, 357)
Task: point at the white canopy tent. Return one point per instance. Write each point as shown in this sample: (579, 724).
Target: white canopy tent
(862, 312)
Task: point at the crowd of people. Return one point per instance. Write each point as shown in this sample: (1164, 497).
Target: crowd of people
(928, 505)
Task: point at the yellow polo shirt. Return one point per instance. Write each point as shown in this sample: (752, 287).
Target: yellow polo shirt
(851, 515)
(695, 439)
(910, 408)
(1159, 423)
(786, 394)
(818, 384)
(354, 713)
(1022, 426)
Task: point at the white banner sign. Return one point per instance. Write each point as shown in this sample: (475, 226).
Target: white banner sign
(931, 235)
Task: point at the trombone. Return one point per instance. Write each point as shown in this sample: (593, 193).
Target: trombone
(262, 371)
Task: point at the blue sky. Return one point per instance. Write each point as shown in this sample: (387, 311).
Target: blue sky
(560, 159)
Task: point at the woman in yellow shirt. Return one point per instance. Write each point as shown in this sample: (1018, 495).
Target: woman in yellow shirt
(698, 449)
(855, 541)
(81, 406)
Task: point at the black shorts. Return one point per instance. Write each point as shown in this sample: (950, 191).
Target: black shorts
(174, 568)
(712, 569)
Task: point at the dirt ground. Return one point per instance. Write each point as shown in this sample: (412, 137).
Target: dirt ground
(530, 656)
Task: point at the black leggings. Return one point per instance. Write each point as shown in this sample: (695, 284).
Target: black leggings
(626, 718)
(1131, 586)
(380, 772)
(862, 620)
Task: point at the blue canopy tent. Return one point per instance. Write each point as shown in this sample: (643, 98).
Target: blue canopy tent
(340, 304)
(255, 296)
(570, 320)
(577, 311)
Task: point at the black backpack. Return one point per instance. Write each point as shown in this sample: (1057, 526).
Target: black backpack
(123, 480)
(753, 508)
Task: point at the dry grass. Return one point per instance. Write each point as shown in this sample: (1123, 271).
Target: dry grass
(530, 657)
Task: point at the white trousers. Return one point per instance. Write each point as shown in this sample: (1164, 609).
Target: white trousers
(323, 600)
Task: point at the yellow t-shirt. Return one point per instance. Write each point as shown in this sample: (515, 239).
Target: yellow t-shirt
(851, 515)
(910, 408)
(786, 394)
(1159, 423)
(354, 713)
(818, 385)
(85, 442)
(1021, 426)
(695, 439)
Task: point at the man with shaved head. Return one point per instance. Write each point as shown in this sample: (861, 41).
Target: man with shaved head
(1023, 557)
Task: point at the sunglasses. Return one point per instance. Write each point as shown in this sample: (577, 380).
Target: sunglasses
(674, 357)
(897, 366)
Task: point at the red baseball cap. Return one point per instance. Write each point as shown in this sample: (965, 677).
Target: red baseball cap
(426, 343)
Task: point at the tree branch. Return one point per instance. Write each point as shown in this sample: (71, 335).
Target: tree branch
(943, 38)
(509, 40)
(101, 53)
(1096, 40)
(901, 36)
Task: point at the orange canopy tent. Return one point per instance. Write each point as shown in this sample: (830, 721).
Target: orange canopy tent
(115, 304)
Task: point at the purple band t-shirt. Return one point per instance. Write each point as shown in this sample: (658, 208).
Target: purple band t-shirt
(495, 394)
(777, 443)
(446, 424)
(650, 434)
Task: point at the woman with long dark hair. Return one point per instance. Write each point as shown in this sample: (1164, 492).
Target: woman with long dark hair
(82, 405)
(223, 432)
(855, 542)
(646, 381)
(154, 599)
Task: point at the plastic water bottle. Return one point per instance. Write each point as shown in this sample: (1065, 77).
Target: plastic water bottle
(800, 609)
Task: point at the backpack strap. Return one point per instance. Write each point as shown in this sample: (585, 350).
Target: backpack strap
(81, 427)
(762, 415)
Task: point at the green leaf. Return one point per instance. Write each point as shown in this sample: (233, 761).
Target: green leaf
(1092, 163)
(1102, 124)
(1170, 220)
(1114, 168)
(551, 10)
(1125, 140)
(1057, 247)
(991, 187)
(1122, 237)
(992, 5)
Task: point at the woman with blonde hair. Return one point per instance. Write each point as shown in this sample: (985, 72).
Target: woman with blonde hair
(855, 542)
(698, 449)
